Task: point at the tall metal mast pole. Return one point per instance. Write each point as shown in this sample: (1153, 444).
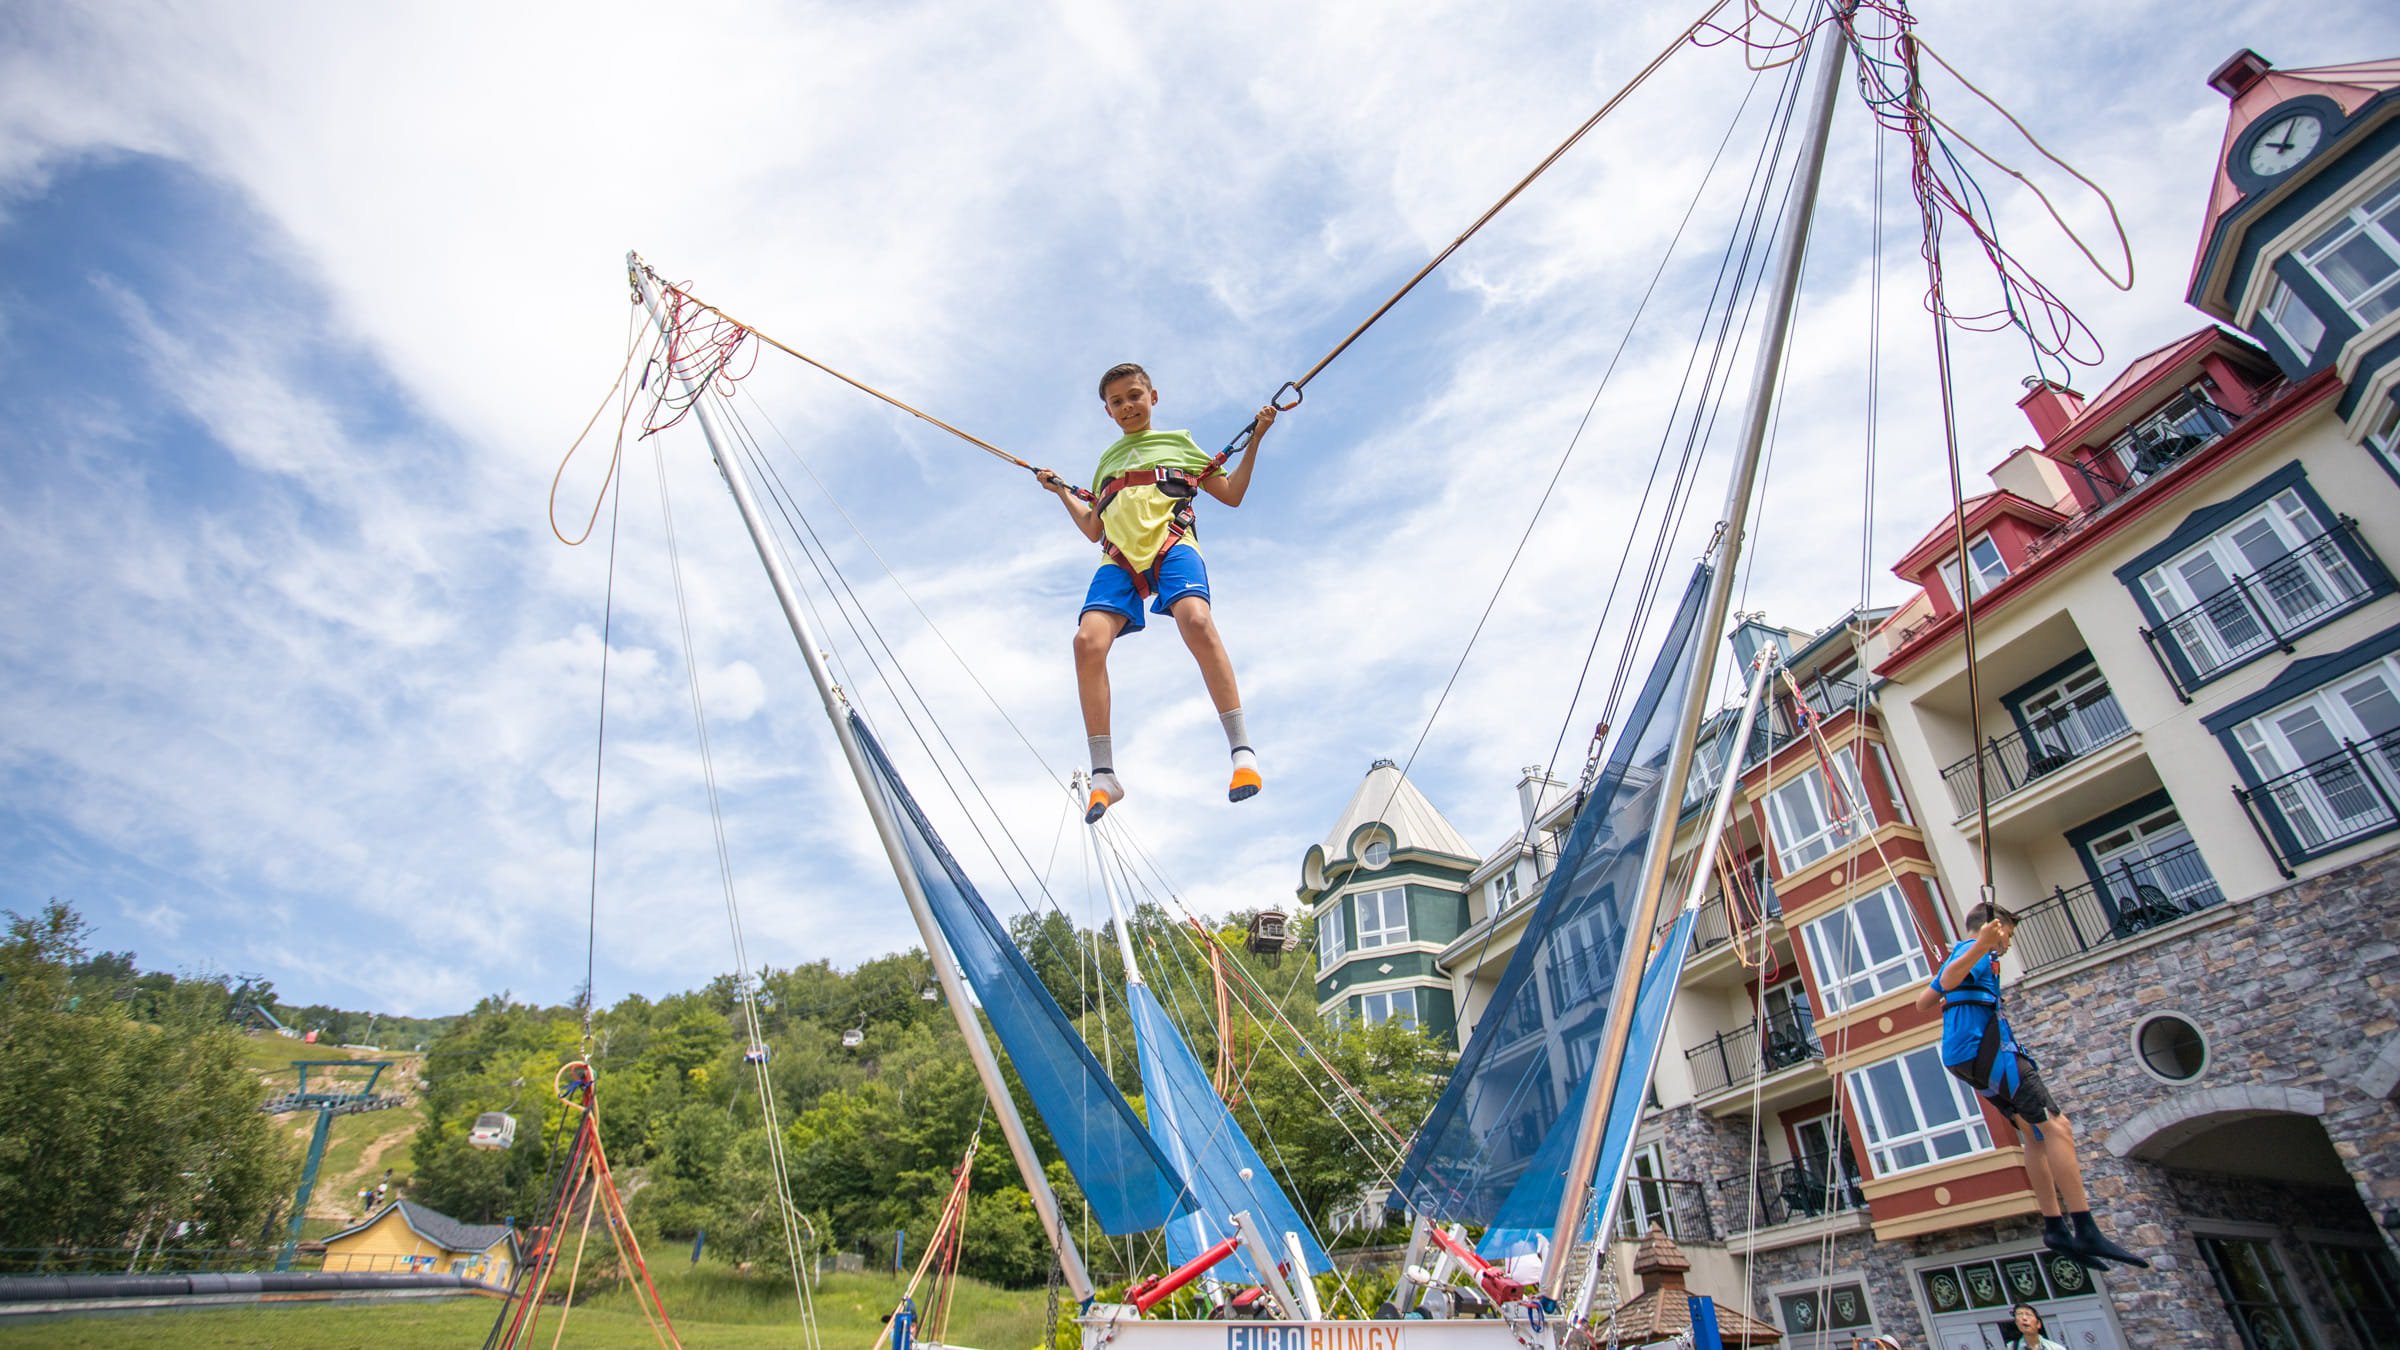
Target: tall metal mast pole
(979, 1050)
(1791, 241)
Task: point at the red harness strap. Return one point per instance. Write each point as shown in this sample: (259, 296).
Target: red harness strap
(1181, 486)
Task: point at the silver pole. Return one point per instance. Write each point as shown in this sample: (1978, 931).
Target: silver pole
(979, 1050)
(1210, 1284)
(1791, 242)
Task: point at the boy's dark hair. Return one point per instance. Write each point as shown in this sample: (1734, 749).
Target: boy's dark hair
(1986, 912)
(1120, 371)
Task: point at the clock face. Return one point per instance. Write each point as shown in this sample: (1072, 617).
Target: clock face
(2284, 143)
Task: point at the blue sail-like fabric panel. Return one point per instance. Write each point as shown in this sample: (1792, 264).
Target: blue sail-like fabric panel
(1129, 1184)
(1532, 1205)
(1201, 1139)
(1540, 1033)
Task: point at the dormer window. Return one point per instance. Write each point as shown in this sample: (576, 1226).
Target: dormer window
(2292, 320)
(1504, 890)
(1990, 569)
(2359, 259)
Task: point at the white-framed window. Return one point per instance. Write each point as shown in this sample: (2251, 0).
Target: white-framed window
(2070, 716)
(2154, 853)
(2292, 319)
(1866, 949)
(1990, 569)
(1891, 786)
(1807, 820)
(1915, 1113)
(1375, 1009)
(2359, 258)
(2331, 732)
(1382, 917)
(1331, 937)
(1708, 768)
(2288, 582)
(2383, 434)
(1504, 888)
(1645, 1197)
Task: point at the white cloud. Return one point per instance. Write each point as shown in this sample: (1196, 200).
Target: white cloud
(342, 683)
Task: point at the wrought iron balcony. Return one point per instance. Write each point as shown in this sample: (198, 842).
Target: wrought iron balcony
(2139, 894)
(1776, 727)
(1714, 925)
(1790, 1192)
(1676, 1204)
(2060, 737)
(1733, 1058)
(2148, 448)
(2267, 608)
(2331, 803)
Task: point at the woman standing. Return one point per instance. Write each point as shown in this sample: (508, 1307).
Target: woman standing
(2032, 1332)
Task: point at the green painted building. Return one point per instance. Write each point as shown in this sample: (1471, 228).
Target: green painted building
(1388, 890)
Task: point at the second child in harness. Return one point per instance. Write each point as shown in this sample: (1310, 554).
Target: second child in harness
(1141, 516)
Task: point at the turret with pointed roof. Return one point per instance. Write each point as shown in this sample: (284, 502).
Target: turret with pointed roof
(1387, 889)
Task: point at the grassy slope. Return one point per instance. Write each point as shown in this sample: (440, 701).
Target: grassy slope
(711, 1309)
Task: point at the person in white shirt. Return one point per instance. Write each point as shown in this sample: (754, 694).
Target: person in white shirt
(2032, 1332)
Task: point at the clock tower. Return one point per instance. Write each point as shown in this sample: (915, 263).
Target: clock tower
(2301, 244)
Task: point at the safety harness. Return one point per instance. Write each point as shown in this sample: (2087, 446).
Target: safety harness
(1178, 486)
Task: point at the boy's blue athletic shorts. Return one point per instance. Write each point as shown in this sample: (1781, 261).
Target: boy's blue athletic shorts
(1179, 573)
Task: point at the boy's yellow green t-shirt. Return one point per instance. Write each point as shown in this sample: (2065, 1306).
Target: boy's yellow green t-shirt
(1138, 518)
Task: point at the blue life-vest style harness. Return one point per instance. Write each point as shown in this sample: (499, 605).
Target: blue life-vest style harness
(1992, 1071)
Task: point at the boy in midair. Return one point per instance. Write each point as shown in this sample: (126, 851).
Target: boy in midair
(1141, 516)
(1980, 1048)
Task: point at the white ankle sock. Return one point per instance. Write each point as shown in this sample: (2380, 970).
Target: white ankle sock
(1237, 735)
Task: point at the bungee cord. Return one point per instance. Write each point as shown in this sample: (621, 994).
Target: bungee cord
(703, 346)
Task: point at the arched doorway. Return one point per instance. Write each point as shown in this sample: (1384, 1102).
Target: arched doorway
(2287, 1248)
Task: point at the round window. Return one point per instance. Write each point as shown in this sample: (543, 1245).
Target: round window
(1375, 854)
(2171, 1048)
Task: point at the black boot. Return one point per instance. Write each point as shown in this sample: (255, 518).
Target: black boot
(2057, 1238)
(2089, 1241)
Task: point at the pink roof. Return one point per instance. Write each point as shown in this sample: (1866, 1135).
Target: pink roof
(2133, 377)
(2349, 86)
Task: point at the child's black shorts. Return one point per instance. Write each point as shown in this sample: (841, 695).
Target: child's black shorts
(2031, 1102)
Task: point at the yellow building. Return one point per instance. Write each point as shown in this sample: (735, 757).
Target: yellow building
(405, 1237)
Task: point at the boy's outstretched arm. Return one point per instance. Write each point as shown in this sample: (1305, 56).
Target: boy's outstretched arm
(1078, 510)
(1230, 488)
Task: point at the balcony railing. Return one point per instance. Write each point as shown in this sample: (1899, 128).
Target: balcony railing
(2135, 896)
(1677, 1204)
(1733, 1058)
(2333, 802)
(1775, 728)
(2147, 449)
(2186, 423)
(2266, 608)
(1715, 923)
(2061, 736)
(1790, 1192)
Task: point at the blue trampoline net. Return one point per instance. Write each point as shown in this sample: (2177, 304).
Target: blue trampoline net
(1526, 1217)
(1539, 1035)
(1128, 1183)
(1201, 1139)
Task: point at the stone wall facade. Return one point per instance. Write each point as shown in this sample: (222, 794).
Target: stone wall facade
(2297, 994)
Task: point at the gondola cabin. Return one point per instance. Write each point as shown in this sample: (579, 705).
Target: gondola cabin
(493, 1129)
(1270, 932)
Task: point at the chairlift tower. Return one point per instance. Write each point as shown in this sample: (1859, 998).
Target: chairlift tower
(329, 1100)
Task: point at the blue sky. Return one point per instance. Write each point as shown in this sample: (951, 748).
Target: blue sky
(297, 317)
